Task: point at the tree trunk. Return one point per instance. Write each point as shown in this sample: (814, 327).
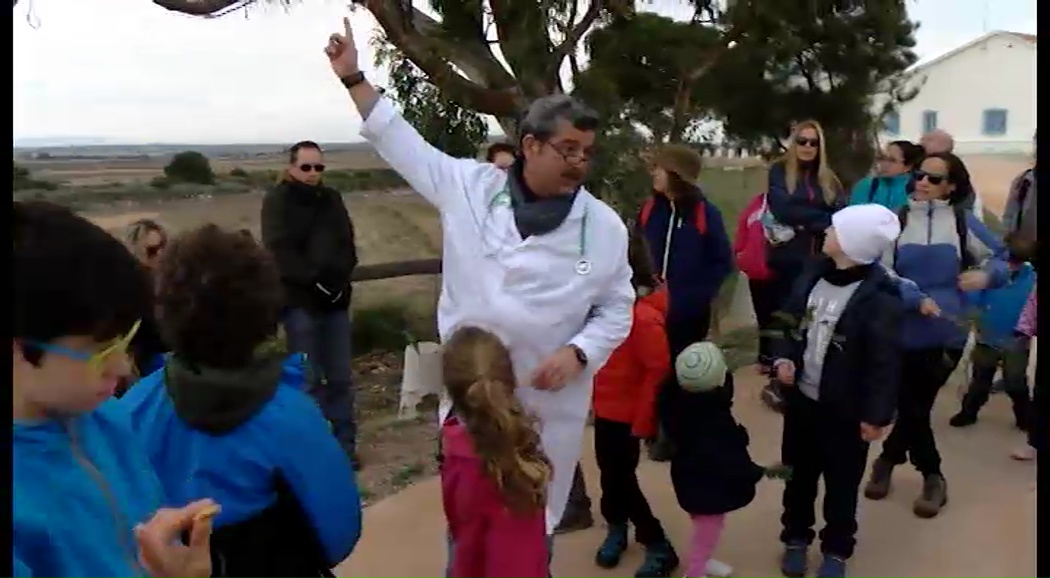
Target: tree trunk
(852, 154)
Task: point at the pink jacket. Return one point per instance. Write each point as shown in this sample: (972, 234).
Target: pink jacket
(488, 540)
(1027, 323)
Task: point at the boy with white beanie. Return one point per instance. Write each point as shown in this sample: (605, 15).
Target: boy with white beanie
(837, 351)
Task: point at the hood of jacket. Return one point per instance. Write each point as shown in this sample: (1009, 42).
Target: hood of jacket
(219, 400)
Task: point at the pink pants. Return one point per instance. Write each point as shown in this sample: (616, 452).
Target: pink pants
(706, 531)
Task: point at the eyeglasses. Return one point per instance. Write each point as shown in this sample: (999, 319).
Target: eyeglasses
(307, 168)
(573, 154)
(934, 179)
(95, 360)
(154, 250)
(807, 142)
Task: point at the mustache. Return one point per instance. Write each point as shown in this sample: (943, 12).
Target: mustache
(574, 174)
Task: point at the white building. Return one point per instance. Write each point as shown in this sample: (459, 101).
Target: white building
(983, 93)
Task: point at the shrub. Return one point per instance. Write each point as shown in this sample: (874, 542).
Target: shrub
(190, 167)
(160, 182)
(22, 180)
(238, 173)
(383, 327)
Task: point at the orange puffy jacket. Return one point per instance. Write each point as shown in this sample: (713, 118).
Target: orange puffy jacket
(625, 388)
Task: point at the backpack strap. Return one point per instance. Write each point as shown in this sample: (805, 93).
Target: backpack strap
(871, 189)
(646, 211)
(1022, 196)
(701, 217)
(962, 229)
(902, 216)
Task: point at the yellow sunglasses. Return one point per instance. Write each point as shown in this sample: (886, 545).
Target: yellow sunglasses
(95, 360)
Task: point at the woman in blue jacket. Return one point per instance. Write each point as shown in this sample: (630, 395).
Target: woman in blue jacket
(946, 251)
(227, 420)
(803, 193)
(889, 187)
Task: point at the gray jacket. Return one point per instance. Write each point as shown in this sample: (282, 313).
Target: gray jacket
(1020, 211)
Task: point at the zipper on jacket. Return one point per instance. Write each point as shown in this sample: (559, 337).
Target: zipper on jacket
(929, 224)
(667, 240)
(121, 521)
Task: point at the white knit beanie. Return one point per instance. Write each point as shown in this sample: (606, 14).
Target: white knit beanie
(865, 232)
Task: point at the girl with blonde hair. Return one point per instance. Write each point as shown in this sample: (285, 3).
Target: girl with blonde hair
(494, 473)
(803, 193)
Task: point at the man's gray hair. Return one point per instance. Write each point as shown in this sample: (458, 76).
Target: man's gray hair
(542, 116)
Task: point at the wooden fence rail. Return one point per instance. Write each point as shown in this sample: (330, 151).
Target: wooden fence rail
(396, 269)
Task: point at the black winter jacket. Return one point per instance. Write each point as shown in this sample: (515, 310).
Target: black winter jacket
(862, 366)
(310, 234)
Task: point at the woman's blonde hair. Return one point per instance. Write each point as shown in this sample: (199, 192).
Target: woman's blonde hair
(829, 181)
(138, 231)
(479, 377)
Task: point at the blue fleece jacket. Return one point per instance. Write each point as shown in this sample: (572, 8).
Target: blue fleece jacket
(928, 254)
(999, 309)
(79, 487)
(890, 192)
(286, 435)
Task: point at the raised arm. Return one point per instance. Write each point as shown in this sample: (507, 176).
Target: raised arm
(427, 170)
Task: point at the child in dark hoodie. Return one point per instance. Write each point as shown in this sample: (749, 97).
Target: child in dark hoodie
(839, 354)
(226, 419)
(997, 344)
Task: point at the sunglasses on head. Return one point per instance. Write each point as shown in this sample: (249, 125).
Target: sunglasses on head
(934, 179)
(306, 168)
(95, 360)
(807, 142)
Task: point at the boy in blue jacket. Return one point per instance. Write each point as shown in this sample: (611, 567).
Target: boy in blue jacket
(227, 419)
(85, 499)
(997, 344)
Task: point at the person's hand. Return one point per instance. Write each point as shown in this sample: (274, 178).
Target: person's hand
(342, 52)
(870, 433)
(778, 472)
(973, 280)
(557, 370)
(929, 307)
(161, 550)
(785, 371)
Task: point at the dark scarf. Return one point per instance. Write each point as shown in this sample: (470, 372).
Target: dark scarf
(843, 277)
(535, 215)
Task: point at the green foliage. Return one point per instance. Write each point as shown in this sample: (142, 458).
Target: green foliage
(238, 173)
(448, 126)
(22, 180)
(384, 327)
(190, 167)
(160, 182)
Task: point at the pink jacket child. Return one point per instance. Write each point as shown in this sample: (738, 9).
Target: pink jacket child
(488, 539)
(1026, 324)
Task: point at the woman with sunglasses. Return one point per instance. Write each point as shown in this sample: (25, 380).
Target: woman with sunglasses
(889, 185)
(803, 193)
(946, 251)
(146, 239)
(307, 228)
(85, 498)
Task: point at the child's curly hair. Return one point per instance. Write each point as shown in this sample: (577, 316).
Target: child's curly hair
(480, 380)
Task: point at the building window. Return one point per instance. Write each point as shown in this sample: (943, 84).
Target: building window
(929, 120)
(891, 123)
(994, 122)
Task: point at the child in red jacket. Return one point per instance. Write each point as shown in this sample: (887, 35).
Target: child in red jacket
(624, 397)
(494, 473)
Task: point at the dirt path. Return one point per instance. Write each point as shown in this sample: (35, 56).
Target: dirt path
(988, 529)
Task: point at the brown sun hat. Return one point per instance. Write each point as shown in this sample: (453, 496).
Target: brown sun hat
(678, 159)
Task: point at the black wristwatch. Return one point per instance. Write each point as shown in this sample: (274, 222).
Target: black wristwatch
(352, 80)
(580, 355)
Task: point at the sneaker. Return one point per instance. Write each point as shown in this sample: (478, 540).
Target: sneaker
(934, 496)
(793, 563)
(613, 547)
(574, 521)
(962, 419)
(660, 560)
(879, 484)
(718, 569)
(772, 397)
(832, 567)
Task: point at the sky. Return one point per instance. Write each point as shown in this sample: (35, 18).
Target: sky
(129, 72)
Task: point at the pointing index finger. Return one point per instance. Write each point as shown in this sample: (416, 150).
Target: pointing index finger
(349, 31)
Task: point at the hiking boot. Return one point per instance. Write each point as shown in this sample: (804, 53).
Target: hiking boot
(660, 560)
(793, 563)
(575, 520)
(613, 547)
(832, 567)
(879, 484)
(772, 397)
(934, 496)
(962, 419)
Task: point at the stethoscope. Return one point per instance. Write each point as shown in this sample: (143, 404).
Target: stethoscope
(583, 264)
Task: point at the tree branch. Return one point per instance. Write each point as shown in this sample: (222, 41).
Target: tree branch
(202, 7)
(474, 57)
(525, 43)
(575, 33)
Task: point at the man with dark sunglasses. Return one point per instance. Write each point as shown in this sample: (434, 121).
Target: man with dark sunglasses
(307, 228)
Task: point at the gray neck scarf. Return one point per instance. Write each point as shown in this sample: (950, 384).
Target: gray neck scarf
(534, 215)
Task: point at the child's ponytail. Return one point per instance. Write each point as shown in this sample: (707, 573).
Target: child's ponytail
(480, 381)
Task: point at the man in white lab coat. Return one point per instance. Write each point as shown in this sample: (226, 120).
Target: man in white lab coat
(527, 253)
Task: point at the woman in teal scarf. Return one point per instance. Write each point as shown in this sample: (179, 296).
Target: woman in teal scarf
(889, 186)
